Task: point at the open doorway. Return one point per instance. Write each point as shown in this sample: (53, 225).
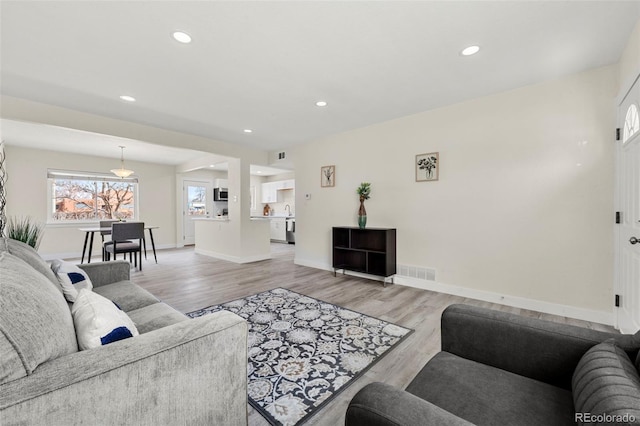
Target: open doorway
(196, 204)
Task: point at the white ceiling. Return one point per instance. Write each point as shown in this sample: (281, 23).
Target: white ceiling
(262, 65)
(53, 138)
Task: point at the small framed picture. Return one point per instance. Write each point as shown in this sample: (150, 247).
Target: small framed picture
(427, 167)
(327, 176)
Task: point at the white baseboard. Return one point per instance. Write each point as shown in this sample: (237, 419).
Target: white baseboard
(600, 317)
(234, 259)
(328, 267)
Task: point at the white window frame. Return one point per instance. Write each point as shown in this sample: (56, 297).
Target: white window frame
(53, 174)
(632, 118)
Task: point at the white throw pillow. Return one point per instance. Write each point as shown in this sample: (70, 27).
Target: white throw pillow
(72, 279)
(99, 321)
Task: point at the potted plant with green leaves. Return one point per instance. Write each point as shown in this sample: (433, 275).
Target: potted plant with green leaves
(364, 191)
(25, 229)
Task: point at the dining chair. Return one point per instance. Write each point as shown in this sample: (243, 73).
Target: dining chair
(105, 224)
(126, 237)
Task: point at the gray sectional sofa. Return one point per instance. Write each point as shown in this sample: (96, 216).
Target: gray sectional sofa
(176, 371)
(497, 368)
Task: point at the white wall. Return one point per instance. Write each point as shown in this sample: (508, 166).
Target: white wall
(206, 174)
(513, 213)
(630, 59)
(256, 182)
(27, 196)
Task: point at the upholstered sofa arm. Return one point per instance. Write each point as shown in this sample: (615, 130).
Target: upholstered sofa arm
(542, 350)
(192, 372)
(103, 273)
(379, 404)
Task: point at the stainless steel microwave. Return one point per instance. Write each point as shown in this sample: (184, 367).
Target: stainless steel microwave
(220, 194)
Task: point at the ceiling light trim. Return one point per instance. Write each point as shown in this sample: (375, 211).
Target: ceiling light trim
(181, 37)
(470, 50)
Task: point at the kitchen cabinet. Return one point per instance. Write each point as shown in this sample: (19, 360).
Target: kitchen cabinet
(270, 192)
(222, 183)
(278, 229)
(285, 184)
(371, 250)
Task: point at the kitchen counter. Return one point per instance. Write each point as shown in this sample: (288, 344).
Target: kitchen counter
(226, 218)
(282, 226)
(240, 240)
(215, 218)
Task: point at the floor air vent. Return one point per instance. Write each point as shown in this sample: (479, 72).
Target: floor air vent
(418, 272)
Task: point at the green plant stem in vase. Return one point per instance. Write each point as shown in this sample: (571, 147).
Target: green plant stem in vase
(364, 191)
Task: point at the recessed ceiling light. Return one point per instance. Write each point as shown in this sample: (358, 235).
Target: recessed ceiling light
(212, 165)
(471, 50)
(248, 131)
(182, 37)
(321, 103)
(259, 172)
(128, 98)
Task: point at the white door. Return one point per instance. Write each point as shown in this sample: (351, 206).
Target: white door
(197, 203)
(628, 202)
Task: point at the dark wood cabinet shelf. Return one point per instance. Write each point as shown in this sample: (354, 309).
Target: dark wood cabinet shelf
(370, 251)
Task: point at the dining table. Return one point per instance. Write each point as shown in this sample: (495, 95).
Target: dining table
(91, 230)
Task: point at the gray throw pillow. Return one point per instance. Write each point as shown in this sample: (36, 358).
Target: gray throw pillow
(35, 321)
(606, 387)
(28, 254)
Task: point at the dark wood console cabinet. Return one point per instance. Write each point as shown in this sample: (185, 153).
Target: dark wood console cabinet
(370, 250)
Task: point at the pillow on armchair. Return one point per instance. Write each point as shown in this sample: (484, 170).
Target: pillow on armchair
(606, 386)
(71, 278)
(99, 321)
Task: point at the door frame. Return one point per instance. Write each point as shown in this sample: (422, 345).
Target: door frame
(180, 207)
(620, 116)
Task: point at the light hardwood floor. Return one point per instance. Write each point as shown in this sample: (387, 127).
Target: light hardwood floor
(189, 281)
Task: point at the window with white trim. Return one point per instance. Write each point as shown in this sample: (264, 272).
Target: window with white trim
(90, 197)
(631, 123)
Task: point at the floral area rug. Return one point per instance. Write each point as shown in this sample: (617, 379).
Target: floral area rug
(303, 351)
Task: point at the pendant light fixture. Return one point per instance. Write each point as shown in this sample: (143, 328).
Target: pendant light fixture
(122, 172)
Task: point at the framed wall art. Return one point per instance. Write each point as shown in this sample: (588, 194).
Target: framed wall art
(427, 167)
(327, 176)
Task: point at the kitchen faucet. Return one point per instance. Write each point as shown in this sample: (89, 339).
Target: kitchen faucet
(288, 208)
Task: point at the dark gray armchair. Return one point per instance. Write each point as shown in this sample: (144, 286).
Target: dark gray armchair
(497, 368)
